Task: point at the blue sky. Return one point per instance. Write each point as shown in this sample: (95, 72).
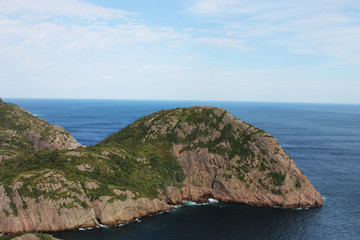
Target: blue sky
(237, 50)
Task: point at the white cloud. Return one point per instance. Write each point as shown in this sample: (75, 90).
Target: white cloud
(37, 9)
(330, 28)
(70, 48)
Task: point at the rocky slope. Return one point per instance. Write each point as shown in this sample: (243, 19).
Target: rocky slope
(20, 131)
(225, 158)
(156, 162)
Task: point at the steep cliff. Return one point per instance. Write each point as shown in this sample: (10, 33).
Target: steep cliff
(20, 131)
(156, 162)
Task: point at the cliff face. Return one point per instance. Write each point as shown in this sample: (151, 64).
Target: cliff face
(227, 159)
(20, 131)
(156, 162)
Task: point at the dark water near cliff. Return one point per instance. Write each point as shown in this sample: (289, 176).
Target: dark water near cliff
(323, 140)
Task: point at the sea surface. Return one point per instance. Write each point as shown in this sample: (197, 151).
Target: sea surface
(323, 140)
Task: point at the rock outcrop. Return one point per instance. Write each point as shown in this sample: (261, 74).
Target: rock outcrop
(20, 131)
(158, 161)
(55, 204)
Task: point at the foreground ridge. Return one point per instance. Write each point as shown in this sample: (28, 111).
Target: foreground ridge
(149, 166)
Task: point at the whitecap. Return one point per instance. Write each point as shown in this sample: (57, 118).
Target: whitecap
(82, 229)
(103, 226)
(301, 209)
(213, 201)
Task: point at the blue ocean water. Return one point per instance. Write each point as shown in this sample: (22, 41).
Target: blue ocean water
(323, 140)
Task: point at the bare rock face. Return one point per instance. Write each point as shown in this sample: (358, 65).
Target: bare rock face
(57, 138)
(130, 209)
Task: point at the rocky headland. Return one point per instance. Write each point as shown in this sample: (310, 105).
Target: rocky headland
(149, 166)
(20, 132)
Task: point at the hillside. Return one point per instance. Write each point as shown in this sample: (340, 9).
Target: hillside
(221, 156)
(156, 162)
(21, 132)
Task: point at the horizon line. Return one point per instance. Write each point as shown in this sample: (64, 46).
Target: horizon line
(180, 100)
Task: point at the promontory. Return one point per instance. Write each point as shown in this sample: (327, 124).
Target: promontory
(50, 182)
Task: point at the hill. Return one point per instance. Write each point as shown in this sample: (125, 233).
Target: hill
(20, 132)
(149, 166)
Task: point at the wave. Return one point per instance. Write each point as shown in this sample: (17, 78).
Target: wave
(191, 203)
(212, 200)
(301, 209)
(103, 226)
(87, 228)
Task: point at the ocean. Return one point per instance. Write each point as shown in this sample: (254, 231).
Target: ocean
(322, 139)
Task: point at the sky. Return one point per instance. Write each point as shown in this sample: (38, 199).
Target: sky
(226, 50)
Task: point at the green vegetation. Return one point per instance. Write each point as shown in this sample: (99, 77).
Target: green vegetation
(276, 192)
(115, 171)
(6, 212)
(277, 178)
(227, 176)
(234, 146)
(41, 236)
(263, 185)
(17, 127)
(138, 158)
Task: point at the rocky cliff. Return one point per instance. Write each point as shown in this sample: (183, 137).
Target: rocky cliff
(156, 162)
(20, 131)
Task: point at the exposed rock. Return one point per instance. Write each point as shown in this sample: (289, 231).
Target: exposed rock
(160, 160)
(85, 167)
(126, 211)
(91, 185)
(20, 131)
(68, 209)
(229, 160)
(74, 153)
(57, 139)
(28, 236)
